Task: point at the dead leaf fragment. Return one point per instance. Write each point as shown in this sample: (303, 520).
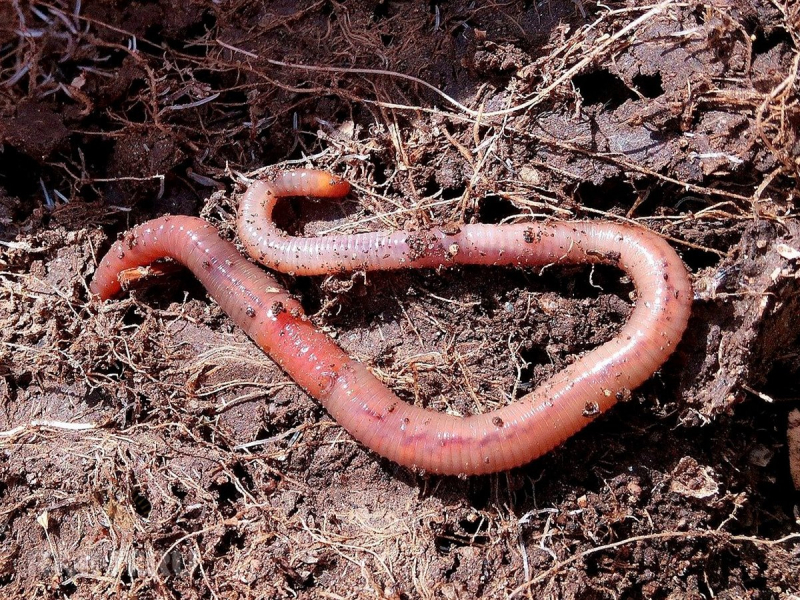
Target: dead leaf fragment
(691, 479)
(788, 252)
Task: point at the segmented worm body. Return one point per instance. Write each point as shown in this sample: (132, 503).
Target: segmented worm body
(407, 434)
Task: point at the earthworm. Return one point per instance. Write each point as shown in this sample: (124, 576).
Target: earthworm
(410, 435)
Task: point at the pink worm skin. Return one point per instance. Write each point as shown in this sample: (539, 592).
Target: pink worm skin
(410, 435)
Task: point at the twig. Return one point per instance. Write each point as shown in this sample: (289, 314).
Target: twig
(46, 424)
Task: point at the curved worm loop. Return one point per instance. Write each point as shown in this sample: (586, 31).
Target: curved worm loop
(410, 435)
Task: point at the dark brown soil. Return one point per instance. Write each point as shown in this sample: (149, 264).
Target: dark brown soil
(150, 450)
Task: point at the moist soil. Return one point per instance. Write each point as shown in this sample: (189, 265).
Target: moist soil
(150, 450)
